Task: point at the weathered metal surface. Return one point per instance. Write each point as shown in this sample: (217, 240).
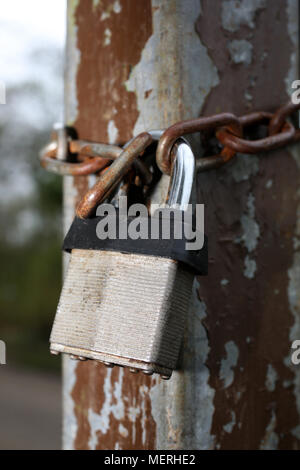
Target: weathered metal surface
(134, 66)
(113, 305)
(251, 211)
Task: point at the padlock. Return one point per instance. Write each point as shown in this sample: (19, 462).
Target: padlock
(124, 302)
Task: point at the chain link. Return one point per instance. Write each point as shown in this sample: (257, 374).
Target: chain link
(92, 157)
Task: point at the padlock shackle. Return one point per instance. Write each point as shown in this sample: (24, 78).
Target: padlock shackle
(182, 177)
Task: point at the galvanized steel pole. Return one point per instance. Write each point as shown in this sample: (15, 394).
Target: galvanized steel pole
(134, 65)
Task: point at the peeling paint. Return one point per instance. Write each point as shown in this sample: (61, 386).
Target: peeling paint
(248, 96)
(107, 37)
(244, 167)
(191, 428)
(157, 70)
(69, 367)
(271, 378)
(271, 439)
(264, 56)
(72, 63)
(247, 309)
(287, 383)
(70, 196)
(294, 300)
(112, 132)
(269, 184)
(296, 432)
(123, 431)
(228, 364)
(250, 267)
(117, 7)
(106, 64)
(293, 19)
(240, 51)
(70, 423)
(229, 426)
(292, 10)
(200, 426)
(101, 421)
(250, 227)
(133, 414)
(144, 391)
(105, 15)
(112, 8)
(240, 13)
(157, 80)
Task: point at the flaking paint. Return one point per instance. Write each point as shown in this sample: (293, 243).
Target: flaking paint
(271, 378)
(180, 425)
(218, 319)
(72, 63)
(294, 271)
(240, 51)
(229, 363)
(158, 79)
(257, 308)
(240, 13)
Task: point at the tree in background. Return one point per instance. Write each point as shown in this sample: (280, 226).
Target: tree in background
(30, 229)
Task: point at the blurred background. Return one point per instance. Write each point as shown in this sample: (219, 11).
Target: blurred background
(32, 36)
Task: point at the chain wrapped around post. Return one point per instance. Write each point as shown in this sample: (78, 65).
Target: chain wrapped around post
(92, 157)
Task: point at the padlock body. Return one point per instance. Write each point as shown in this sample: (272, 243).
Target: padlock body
(124, 309)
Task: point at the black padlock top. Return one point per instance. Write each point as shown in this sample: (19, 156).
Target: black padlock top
(83, 235)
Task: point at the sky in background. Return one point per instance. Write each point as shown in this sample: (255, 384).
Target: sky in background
(44, 18)
(24, 26)
(32, 38)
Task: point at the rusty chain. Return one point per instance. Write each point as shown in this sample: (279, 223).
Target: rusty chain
(229, 130)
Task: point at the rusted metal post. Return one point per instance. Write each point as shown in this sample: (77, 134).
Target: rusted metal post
(134, 65)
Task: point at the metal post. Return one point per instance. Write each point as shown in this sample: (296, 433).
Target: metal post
(134, 65)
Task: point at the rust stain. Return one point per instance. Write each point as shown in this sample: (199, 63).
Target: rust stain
(105, 67)
(81, 183)
(114, 173)
(253, 313)
(110, 43)
(88, 394)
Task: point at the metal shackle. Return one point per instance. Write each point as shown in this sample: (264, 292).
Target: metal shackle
(182, 176)
(180, 185)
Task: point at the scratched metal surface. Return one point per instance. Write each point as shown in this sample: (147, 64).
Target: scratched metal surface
(104, 316)
(145, 64)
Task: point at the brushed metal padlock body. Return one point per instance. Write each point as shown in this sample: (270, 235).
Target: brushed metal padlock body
(123, 309)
